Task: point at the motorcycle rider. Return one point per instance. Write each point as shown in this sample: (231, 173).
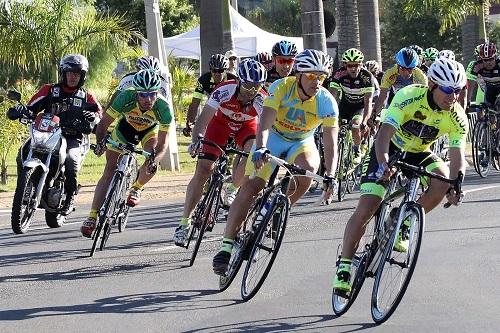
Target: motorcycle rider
(75, 121)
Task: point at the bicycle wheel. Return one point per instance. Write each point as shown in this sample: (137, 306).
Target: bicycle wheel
(344, 164)
(122, 217)
(242, 241)
(23, 205)
(208, 217)
(396, 268)
(265, 249)
(481, 152)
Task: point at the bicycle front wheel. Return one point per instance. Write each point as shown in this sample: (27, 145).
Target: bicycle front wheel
(265, 249)
(481, 152)
(396, 268)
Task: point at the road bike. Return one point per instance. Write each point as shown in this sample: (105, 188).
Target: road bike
(485, 139)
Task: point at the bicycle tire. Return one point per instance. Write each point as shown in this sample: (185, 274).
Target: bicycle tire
(198, 213)
(480, 134)
(240, 246)
(211, 210)
(380, 315)
(280, 205)
(342, 179)
(22, 217)
(124, 208)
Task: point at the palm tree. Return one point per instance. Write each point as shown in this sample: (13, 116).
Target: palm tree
(36, 34)
(348, 25)
(369, 29)
(313, 24)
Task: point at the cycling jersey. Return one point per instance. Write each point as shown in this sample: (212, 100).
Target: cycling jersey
(394, 81)
(297, 119)
(354, 89)
(479, 98)
(488, 79)
(206, 85)
(127, 82)
(273, 75)
(418, 125)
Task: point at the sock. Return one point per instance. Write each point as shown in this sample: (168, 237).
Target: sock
(93, 214)
(185, 221)
(227, 245)
(137, 185)
(345, 264)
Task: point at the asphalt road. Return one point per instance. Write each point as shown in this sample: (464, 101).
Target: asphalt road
(141, 282)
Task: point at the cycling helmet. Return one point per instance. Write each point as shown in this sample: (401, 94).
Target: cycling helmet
(284, 48)
(446, 54)
(73, 63)
(477, 50)
(407, 58)
(487, 50)
(148, 62)
(417, 49)
(372, 66)
(218, 61)
(146, 80)
(264, 58)
(430, 53)
(311, 60)
(250, 70)
(447, 73)
(330, 61)
(353, 55)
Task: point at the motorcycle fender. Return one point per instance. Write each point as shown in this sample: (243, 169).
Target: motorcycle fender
(35, 162)
(62, 150)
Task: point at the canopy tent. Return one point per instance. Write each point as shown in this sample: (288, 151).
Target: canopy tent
(248, 40)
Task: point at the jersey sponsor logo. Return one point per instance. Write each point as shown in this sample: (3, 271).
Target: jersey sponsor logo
(77, 102)
(459, 121)
(419, 115)
(409, 101)
(220, 95)
(391, 121)
(56, 91)
(425, 132)
(398, 140)
(296, 115)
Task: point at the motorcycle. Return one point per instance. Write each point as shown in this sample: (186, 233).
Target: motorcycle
(40, 182)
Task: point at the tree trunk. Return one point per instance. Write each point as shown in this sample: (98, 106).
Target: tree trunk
(3, 173)
(211, 30)
(226, 23)
(313, 24)
(369, 30)
(474, 32)
(348, 25)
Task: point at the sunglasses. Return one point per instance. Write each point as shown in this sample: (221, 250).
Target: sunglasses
(489, 59)
(250, 87)
(353, 65)
(405, 69)
(220, 71)
(232, 58)
(145, 94)
(450, 90)
(283, 61)
(313, 76)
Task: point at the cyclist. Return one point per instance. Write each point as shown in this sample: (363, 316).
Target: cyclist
(420, 52)
(417, 117)
(356, 86)
(297, 106)
(477, 95)
(447, 54)
(403, 73)
(75, 123)
(233, 61)
(430, 54)
(373, 67)
(231, 111)
(487, 71)
(143, 117)
(265, 58)
(329, 75)
(206, 83)
(284, 53)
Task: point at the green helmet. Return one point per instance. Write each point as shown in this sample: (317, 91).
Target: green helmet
(146, 80)
(430, 53)
(477, 50)
(353, 55)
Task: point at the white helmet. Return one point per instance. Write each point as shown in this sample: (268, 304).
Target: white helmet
(447, 73)
(311, 60)
(148, 63)
(446, 54)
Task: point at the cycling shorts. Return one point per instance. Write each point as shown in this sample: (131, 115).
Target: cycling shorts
(369, 185)
(124, 133)
(219, 132)
(283, 148)
(350, 111)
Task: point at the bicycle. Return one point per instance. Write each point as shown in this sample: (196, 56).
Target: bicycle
(348, 174)
(207, 210)
(376, 258)
(318, 140)
(114, 208)
(259, 238)
(485, 140)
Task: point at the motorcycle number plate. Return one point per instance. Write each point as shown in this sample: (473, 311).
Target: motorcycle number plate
(46, 123)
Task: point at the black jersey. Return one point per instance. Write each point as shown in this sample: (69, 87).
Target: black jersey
(354, 89)
(206, 84)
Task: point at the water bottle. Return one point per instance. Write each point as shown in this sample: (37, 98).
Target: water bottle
(262, 213)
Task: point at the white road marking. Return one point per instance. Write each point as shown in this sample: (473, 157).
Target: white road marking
(481, 189)
(171, 247)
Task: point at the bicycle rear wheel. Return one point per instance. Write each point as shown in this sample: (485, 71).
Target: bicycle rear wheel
(342, 171)
(242, 241)
(396, 268)
(207, 217)
(265, 249)
(481, 152)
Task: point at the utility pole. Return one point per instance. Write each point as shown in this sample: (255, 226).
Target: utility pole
(156, 48)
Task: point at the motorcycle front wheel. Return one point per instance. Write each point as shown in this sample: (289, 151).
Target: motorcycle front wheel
(24, 203)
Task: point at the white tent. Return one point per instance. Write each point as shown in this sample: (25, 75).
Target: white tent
(248, 39)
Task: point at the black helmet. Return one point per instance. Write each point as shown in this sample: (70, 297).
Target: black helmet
(73, 63)
(284, 48)
(218, 61)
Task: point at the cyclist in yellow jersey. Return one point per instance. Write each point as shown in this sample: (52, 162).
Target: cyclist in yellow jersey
(416, 118)
(291, 114)
(403, 73)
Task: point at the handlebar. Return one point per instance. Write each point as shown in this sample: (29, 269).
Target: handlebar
(128, 148)
(227, 150)
(294, 169)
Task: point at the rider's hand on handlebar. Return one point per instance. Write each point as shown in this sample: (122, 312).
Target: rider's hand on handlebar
(193, 148)
(186, 131)
(259, 156)
(330, 187)
(384, 173)
(454, 198)
(152, 163)
(100, 147)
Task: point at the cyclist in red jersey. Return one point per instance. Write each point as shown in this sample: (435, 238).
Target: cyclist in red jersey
(231, 111)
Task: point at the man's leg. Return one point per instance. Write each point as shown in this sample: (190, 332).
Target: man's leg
(238, 173)
(72, 165)
(101, 188)
(308, 160)
(143, 177)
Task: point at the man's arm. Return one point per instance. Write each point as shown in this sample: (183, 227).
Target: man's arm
(384, 135)
(381, 100)
(193, 110)
(330, 140)
(201, 124)
(161, 145)
(266, 121)
(457, 161)
(473, 90)
(367, 112)
(102, 127)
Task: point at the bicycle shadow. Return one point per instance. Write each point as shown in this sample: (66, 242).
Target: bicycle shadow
(162, 301)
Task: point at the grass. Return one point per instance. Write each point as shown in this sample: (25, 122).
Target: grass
(93, 166)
